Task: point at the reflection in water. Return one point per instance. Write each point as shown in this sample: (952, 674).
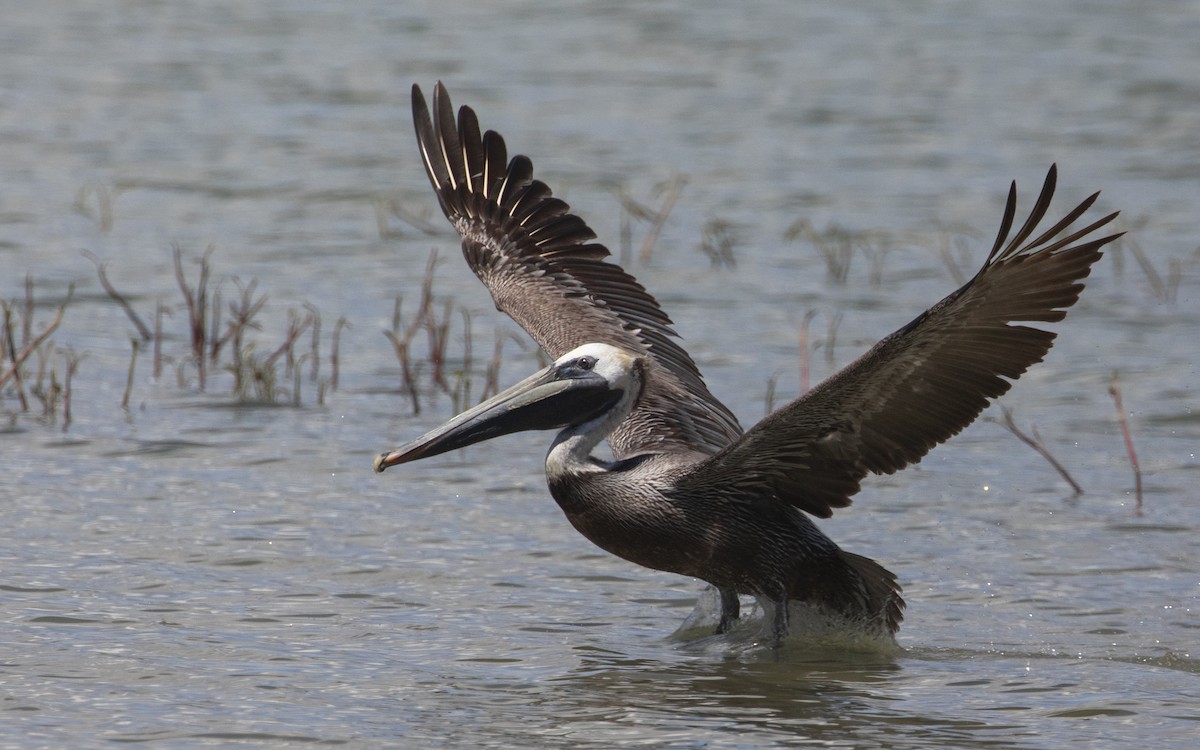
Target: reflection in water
(810, 694)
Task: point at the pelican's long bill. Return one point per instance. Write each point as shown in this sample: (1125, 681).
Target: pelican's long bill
(547, 400)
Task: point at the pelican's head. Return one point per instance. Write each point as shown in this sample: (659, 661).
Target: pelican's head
(582, 385)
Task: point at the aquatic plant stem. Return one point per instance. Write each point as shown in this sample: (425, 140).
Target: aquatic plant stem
(129, 376)
(1114, 390)
(102, 273)
(1036, 443)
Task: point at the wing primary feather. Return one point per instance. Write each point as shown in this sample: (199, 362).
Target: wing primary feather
(472, 154)
(494, 161)
(1086, 231)
(519, 174)
(427, 140)
(1066, 221)
(1010, 213)
(443, 123)
(1035, 216)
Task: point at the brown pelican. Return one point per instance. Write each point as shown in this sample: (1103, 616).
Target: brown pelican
(687, 490)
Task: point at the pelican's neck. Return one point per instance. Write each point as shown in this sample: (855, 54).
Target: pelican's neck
(571, 452)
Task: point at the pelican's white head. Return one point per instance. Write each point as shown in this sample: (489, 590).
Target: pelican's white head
(618, 367)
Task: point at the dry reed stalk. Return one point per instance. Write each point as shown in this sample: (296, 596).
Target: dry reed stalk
(626, 239)
(491, 377)
(400, 343)
(805, 350)
(197, 306)
(129, 376)
(314, 348)
(673, 188)
(44, 355)
(835, 245)
(1114, 390)
(102, 273)
(297, 378)
(769, 397)
(73, 361)
(437, 332)
(49, 397)
(1163, 290)
(955, 263)
(334, 352)
(383, 206)
(27, 319)
(17, 359)
(463, 380)
(244, 310)
(159, 311)
(875, 246)
(296, 326)
(439, 337)
(831, 338)
(717, 243)
(1035, 442)
(214, 327)
(10, 349)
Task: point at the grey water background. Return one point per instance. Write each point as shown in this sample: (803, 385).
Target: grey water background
(199, 571)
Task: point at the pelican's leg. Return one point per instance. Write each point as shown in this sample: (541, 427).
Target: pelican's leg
(730, 609)
(780, 625)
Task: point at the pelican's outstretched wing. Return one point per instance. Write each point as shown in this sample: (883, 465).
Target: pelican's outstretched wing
(920, 385)
(542, 269)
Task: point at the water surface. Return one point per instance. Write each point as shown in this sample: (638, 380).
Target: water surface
(200, 570)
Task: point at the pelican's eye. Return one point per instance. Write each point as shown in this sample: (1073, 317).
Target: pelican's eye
(576, 367)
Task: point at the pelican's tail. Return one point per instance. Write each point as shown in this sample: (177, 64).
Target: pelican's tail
(881, 593)
(857, 588)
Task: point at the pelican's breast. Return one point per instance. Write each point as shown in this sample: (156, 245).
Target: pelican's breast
(623, 510)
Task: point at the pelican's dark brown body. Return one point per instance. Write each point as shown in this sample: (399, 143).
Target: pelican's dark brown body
(763, 547)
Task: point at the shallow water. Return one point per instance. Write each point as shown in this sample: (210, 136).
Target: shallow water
(197, 570)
